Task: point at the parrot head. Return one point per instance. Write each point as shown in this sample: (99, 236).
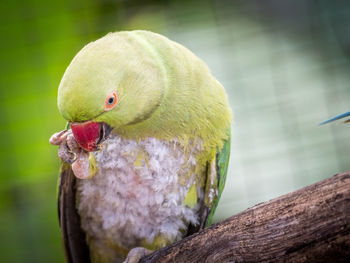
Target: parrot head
(338, 117)
(111, 83)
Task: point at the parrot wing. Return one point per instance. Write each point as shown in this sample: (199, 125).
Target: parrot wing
(214, 185)
(216, 178)
(74, 242)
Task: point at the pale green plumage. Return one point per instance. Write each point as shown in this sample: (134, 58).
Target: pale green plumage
(164, 89)
(165, 92)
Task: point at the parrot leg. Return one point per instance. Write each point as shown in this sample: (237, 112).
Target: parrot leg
(70, 152)
(136, 254)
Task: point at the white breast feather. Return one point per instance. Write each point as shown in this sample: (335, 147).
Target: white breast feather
(125, 203)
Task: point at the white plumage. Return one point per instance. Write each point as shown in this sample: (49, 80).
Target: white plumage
(136, 193)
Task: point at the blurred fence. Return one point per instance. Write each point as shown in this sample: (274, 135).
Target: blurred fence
(284, 64)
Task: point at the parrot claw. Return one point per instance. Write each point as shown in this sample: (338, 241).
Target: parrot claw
(136, 254)
(70, 152)
(68, 146)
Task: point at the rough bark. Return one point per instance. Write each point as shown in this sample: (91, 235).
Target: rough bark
(308, 225)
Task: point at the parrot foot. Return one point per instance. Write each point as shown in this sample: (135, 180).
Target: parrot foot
(70, 152)
(68, 147)
(136, 254)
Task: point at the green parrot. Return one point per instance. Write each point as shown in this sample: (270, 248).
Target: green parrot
(146, 149)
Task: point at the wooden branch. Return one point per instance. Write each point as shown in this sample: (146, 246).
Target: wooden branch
(308, 225)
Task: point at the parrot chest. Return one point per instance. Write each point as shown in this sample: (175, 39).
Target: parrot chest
(137, 192)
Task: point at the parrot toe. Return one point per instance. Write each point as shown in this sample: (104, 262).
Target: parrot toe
(58, 137)
(73, 144)
(80, 166)
(70, 152)
(65, 154)
(68, 147)
(136, 254)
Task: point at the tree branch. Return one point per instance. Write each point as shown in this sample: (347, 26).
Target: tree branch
(308, 225)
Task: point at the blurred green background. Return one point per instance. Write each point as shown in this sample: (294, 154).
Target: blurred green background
(285, 65)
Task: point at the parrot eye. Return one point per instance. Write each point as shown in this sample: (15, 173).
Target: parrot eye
(111, 101)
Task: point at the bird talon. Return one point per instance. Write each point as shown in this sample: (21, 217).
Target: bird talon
(75, 157)
(68, 147)
(136, 254)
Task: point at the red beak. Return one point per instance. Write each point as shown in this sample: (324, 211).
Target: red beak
(88, 134)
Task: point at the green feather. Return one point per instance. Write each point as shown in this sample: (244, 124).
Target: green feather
(222, 160)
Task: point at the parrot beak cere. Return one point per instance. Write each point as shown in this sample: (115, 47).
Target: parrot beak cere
(90, 134)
